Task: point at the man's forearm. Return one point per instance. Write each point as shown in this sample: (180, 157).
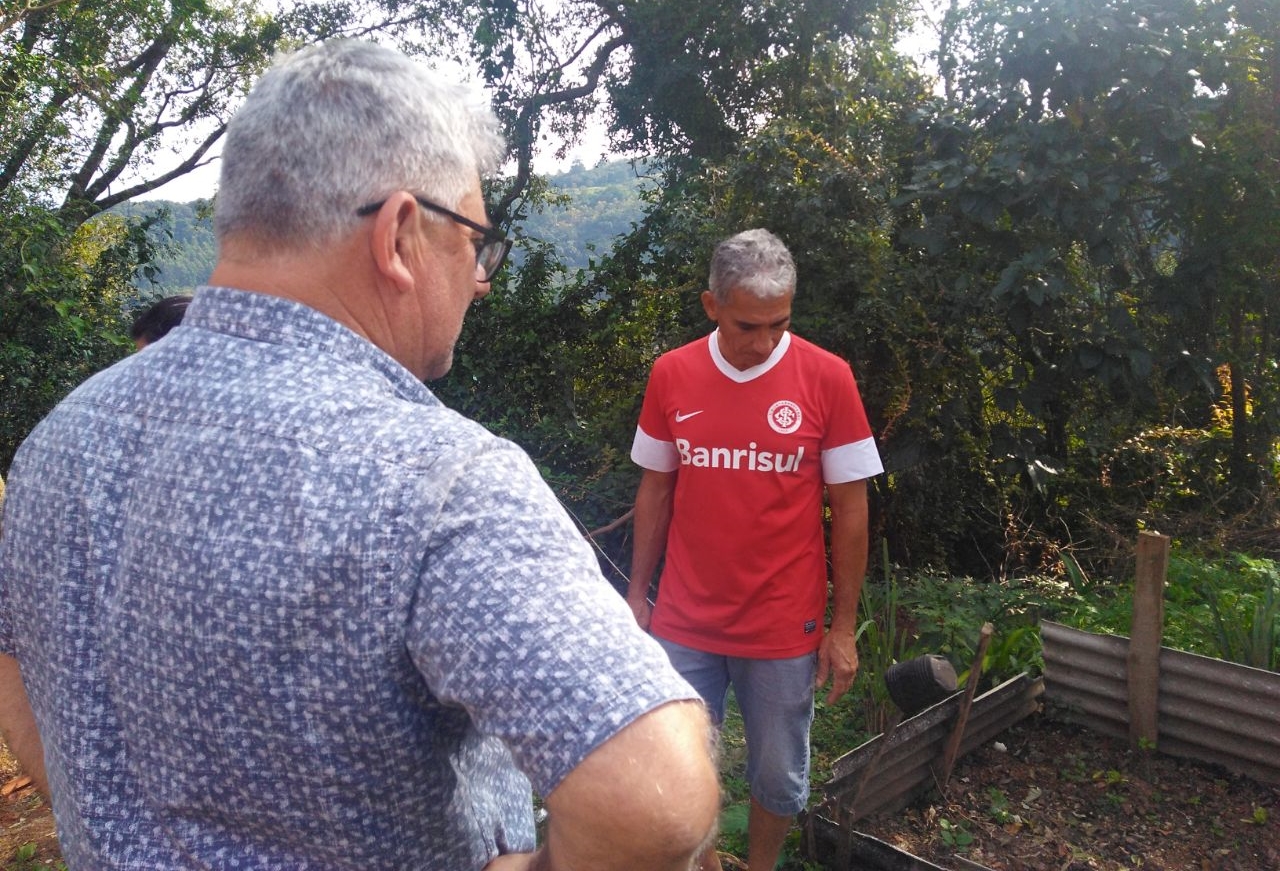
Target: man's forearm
(18, 723)
(838, 655)
(647, 798)
(848, 569)
(849, 547)
(652, 520)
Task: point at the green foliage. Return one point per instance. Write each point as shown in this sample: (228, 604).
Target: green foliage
(948, 614)
(954, 835)
(1225, 607)
(26, 858)
(692, 86)
(881, 643)
(184, 245)
(1243, 597)
(733, 827)
(1052, 228)
(587, 211)
(62, 297)
(998, 809)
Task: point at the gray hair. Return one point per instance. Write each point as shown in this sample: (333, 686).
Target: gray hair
(339, 125)
(754, 261)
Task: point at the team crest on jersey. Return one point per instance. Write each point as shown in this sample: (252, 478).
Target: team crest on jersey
(784, 416)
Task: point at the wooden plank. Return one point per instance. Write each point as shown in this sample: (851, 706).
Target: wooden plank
(1145, 636)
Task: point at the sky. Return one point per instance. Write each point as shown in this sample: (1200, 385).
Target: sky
(594, 145)
(202, 183)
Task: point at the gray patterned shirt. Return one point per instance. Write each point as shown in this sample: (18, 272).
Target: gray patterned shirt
(278, 608)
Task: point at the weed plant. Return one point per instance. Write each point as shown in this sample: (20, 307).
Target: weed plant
(26, 858)
(1227, 607)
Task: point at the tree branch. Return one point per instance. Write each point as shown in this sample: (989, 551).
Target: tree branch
(527, 119)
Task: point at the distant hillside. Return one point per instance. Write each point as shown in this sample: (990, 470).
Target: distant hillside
(185, 241)
(603, 203)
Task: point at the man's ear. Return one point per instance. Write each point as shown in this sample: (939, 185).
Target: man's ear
(394, 229)
(709, 304)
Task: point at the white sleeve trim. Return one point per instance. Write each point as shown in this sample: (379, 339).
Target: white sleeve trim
(851, 462)
(650, 453)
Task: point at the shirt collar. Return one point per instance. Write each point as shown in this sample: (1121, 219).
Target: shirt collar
(744, 375)
(260, 317)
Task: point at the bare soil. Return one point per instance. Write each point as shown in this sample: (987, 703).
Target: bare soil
(1055, 797)
(25, 818)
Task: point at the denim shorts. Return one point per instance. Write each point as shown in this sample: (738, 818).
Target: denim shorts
(775, 697)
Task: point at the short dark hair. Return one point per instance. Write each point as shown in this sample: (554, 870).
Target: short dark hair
(156, 320)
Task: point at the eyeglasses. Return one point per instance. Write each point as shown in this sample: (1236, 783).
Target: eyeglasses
(491, 249)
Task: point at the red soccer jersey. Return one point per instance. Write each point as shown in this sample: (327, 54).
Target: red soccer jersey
(745, 572)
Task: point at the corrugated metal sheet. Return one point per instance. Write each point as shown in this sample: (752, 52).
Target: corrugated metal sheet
(848, 850)
(1209, 710)
(907, 762)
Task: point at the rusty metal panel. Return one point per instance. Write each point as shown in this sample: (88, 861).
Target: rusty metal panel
(1209, 710)
(845, 849)
(1084, 676)
(902, 762)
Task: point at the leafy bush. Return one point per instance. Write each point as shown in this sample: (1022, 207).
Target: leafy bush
(1226, 607)
(948, 612)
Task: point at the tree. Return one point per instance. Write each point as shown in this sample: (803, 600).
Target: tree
(673, 79)
(90, 89)
(94, 98)
(1097, 193)
(60, 310)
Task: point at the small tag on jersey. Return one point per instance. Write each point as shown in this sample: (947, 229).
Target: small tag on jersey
(810, 627)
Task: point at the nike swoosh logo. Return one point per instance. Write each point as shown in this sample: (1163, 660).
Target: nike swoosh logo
(681, 418)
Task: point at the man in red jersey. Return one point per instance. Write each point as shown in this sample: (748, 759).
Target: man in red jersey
(739, 434)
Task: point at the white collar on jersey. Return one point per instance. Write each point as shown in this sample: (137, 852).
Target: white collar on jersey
(744, 375)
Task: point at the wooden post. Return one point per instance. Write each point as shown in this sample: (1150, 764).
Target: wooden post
(1145, 636)
(952, 750)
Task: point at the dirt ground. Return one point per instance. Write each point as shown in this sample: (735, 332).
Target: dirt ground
(25, 819)
(1060, 798)
(1057, 798)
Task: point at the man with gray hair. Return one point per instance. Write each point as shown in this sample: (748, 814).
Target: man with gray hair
(738, 436)
(291, 612)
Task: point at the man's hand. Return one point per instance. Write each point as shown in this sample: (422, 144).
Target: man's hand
(838, 661)
(642, 610)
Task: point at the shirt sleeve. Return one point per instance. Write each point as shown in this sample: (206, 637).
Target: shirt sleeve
(516, 623)
(653, 454)
(849, 451)
(7, 646)
(653, 448)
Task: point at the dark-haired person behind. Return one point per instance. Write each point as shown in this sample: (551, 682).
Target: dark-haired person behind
(153, 322)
